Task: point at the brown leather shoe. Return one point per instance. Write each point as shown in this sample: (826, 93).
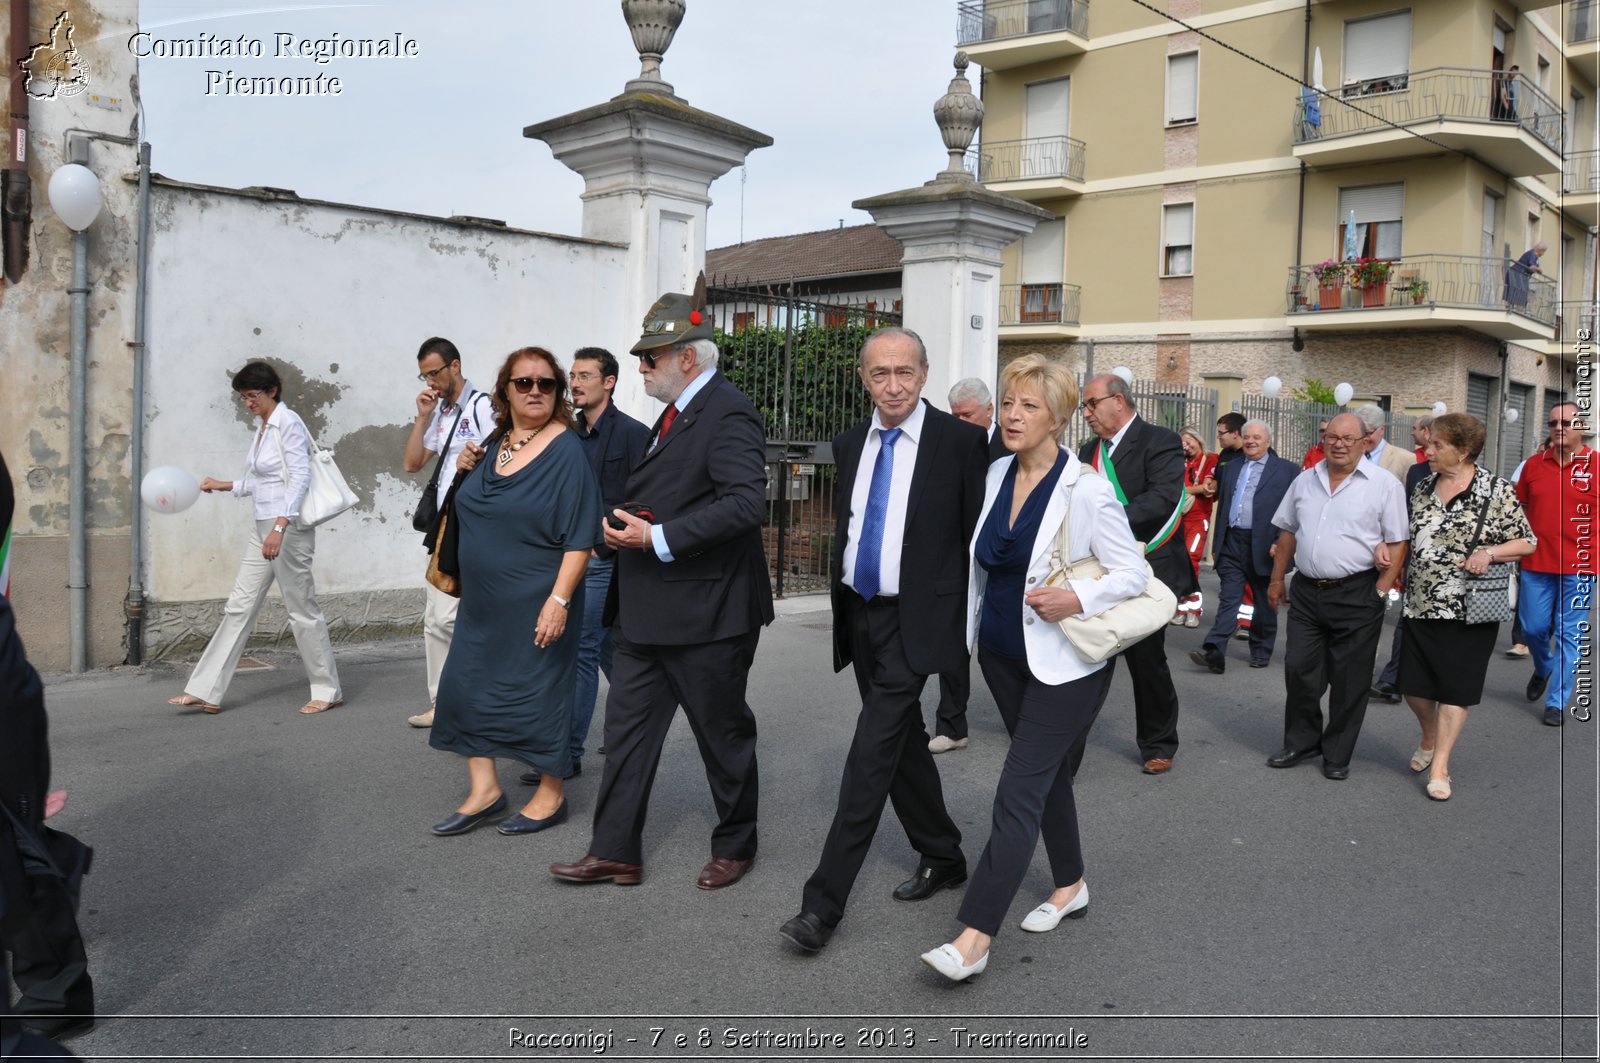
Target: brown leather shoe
(593, 869)
(722, 871)
(1158, 765)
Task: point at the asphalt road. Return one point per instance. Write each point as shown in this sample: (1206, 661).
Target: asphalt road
(265, 885)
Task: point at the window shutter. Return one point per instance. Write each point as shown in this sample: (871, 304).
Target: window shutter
(1047, 109)
(1374, 203)
(1044, 252)
(1478, 396)
(1377, 47)
(1183, 87)
(1179, 225)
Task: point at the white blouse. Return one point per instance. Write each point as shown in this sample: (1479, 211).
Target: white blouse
(276, 493)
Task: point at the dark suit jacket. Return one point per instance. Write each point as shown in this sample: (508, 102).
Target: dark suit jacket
(1414, 476)
(997, 445)
(613, 449)
(706, 483)
(1149, 464)
(1275, 481)
(941, 514)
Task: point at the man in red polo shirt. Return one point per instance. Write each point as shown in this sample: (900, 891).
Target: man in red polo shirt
(1557, 491)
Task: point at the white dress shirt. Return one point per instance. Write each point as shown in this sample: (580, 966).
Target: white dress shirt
(894, 522)
(277, 493)
(1336, 531)
(476, 424)
(654, 535)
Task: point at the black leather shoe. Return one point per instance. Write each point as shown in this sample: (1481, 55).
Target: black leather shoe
(56, 1027)
(807, 932)
(1536, 687)
(1288, 758)
(1216, 664)
(532, 778)
(1385, 692)
(461, 822)
(1259, 664)
(1554, 717)
(520, 824)
(1336, 772)
(930, 880)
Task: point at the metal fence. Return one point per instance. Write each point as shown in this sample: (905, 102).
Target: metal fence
(1461, 281)
(1581, 173)
(1164, 404)
(1033, 159)
(1583, 21)
(1576, 322)
(1296, 423)
(988, 20)
(1426, 96)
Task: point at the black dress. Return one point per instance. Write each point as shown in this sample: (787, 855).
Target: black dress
(499, 694)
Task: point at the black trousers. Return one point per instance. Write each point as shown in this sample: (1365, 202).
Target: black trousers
(888, 761)
(1236, 571)
(1155, 701)
(1391, 671)
(1333, 640)
(648, 683)
(1034, 796)
(48, 962)
(955, 688)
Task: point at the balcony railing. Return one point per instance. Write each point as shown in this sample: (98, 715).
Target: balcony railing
(1440, 94)
(1581, 173)
(990, 20)
(1583, 21)
(1455, 281)
(1039, 158)
(1576, 317)
(1039, 304)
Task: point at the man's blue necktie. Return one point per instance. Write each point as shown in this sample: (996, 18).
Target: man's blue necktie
(869, 556)
(1244, 482)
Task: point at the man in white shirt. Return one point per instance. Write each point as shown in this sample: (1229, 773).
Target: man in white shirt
(450, 414)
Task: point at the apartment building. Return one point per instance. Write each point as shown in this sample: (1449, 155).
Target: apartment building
(1199, 187)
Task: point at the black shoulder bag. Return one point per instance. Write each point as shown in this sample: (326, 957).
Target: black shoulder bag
(427, 511)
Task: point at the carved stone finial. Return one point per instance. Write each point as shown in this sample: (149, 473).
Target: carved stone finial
(652, 24)
(959, 114)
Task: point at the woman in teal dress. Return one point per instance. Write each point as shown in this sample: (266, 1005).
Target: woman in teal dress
(527, 515)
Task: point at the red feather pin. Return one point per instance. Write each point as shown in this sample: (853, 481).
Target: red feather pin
(694, 317)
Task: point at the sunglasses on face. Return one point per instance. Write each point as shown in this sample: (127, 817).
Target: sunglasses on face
(525, 384)
(1559, 423)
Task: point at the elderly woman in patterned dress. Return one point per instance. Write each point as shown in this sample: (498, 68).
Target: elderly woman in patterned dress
(1443, 659)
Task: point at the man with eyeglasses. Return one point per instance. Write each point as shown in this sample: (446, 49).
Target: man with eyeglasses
(614, 443)
(1557, 491)
(450, 415)
(1390, 458)
(689, 598)
(1144, 463)
(1331, 525)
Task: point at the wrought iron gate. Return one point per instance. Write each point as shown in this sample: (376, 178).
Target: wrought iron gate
(794, 352)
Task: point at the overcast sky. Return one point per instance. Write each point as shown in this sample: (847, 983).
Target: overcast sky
(844, 87)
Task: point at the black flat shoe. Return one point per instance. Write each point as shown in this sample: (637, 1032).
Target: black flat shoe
(1536, 687)
(930, 880)
(1336, 772)
(1288, 758)
(806, 932)
(520, 824)
(461, 822)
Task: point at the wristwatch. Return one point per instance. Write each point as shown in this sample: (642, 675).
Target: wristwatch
(280, 526)
(565, 603)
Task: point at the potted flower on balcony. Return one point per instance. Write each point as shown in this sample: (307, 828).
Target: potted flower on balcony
(1417, 288)
(1329, 275)
(1371, 275)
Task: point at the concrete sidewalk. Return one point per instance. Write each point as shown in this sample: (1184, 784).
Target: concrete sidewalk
(278, 869)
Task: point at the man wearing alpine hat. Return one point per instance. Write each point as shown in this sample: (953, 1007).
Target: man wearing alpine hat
(689, 598)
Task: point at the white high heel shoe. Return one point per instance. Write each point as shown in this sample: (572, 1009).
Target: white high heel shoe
(946, 959)
(1047, 916)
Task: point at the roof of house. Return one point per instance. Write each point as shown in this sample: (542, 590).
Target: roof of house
(830, 253)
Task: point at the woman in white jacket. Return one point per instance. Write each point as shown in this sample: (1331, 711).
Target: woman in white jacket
(1047, 694)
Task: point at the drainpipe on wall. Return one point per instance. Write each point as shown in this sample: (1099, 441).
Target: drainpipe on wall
(16, 196)
(78, 462)
(133, 605)
(1298, 344)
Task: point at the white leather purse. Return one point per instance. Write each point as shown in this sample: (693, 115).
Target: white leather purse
(328, 495)
(1114, 630)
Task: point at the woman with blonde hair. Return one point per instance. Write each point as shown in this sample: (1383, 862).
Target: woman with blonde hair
(1045, 690)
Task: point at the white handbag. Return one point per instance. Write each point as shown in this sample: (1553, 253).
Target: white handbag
(1114, 630)
(328, 495)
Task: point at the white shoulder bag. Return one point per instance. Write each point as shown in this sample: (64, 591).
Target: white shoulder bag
(328, 495)
(1114, 630)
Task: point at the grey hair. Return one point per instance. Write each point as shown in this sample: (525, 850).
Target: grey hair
(1371, 417)
(1425, 421)
(705, 352)
(970, 388)
(1115, 385)
(1265, 427)
(896, 330)
(1541, 247)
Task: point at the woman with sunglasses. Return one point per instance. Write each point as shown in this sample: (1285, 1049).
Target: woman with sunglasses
(527, 515)
(277, 473)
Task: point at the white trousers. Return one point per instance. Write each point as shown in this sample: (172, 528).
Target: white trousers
(292, 570)
(438, 627)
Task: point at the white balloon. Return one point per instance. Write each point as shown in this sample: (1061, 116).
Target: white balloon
(1511, 414)
(75, 196)
(1440, 409)
(1271, 386)
(168, 489)
(1125, 373)
(1343, 394)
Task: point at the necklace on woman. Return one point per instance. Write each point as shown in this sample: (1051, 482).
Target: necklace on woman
(507, 449)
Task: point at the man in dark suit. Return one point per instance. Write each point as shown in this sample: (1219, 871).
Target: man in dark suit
(689, 599)
(1144, 463)
(1241, 548)
(909, 490)
(971, 402)
(614, 443)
